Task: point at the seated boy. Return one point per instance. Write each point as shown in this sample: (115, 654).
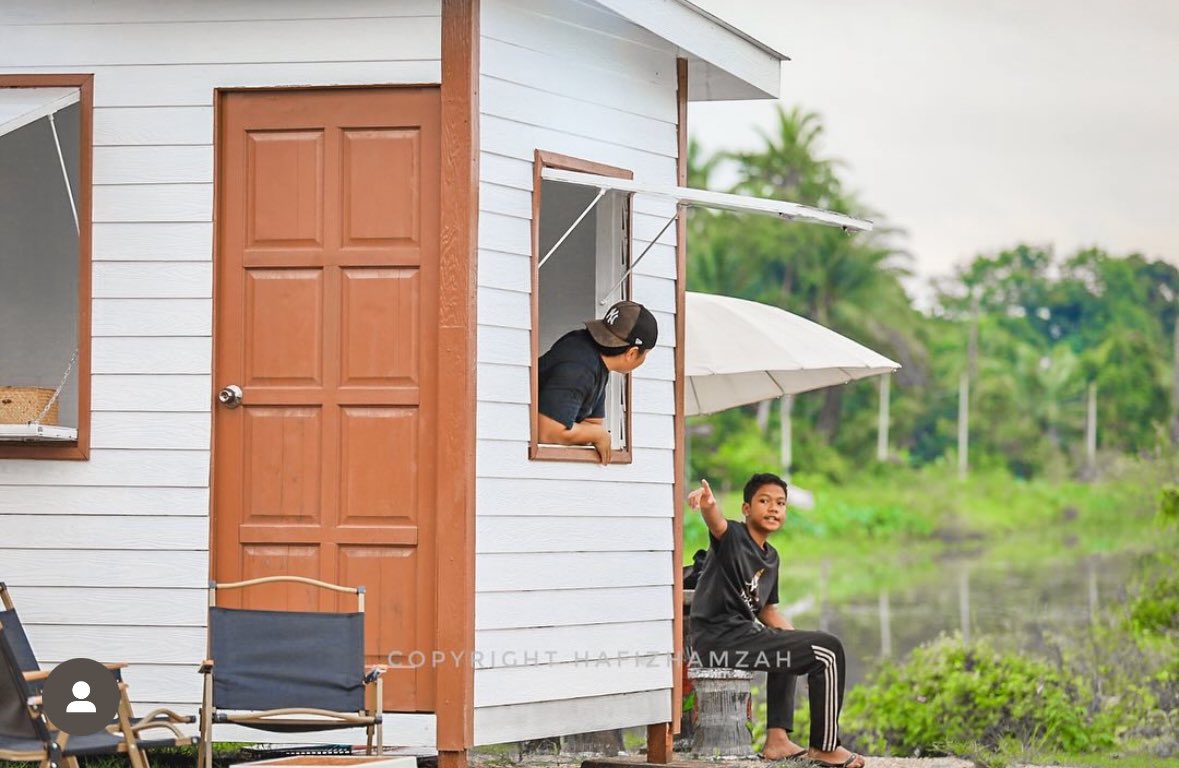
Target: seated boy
(736, 624)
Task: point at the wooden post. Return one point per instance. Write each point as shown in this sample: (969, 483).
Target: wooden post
(963, 424)
(882, 423)
(787, 448)
(1091, 433)
(1175, 389)
(659, 749)
(964, 603)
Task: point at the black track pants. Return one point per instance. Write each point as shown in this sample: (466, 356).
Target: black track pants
(785, 654)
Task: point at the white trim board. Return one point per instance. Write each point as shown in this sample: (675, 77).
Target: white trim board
(21, 106)
(708, 199)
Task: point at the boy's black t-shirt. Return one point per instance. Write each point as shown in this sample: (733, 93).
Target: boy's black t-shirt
(571, 380)
(739, 579)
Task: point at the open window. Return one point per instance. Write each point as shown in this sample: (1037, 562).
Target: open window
(44, 266)
(581, 254)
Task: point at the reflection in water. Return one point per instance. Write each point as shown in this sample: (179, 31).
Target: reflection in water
(1016, 603)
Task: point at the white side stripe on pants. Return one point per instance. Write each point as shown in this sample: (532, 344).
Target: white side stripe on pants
(832, 686)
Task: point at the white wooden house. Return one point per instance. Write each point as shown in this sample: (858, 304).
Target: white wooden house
(339, 207)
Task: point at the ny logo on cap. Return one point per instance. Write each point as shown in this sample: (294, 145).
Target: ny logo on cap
(612, 316)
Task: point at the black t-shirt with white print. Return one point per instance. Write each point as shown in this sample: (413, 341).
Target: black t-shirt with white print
(739, 579)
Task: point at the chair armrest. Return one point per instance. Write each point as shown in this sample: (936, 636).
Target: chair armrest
(113, 665)
(375, 671)
(36, 677)
(206, 667)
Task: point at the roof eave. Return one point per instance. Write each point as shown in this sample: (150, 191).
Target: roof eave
(729, 63)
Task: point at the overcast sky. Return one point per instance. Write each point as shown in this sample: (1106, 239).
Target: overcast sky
(975, 125)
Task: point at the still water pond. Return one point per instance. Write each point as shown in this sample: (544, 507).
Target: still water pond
(1017, 602)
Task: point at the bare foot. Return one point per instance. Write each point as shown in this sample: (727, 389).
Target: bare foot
(839, 756)
(778, 745)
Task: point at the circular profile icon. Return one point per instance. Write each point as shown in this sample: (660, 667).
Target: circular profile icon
(80, 697)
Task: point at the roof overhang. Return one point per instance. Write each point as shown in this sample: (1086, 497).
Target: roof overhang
(707, 199)
(21, 106)
(724, 62)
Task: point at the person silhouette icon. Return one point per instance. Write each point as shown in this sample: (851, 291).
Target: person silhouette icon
(81, 691)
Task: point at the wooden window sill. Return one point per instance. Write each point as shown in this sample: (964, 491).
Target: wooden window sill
(575, 453)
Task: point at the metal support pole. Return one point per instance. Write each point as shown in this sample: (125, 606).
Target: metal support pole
(1091, 432)
(964, 603)
(882, 423)
(885, 625)
(573, 226)
(963, 424)
(602, 301)
(787, 447)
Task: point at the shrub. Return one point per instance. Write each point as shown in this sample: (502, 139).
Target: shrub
(948, 693)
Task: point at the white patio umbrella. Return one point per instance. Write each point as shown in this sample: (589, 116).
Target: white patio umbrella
(738, 352)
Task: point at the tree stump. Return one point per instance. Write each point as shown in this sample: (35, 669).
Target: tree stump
(722, 711)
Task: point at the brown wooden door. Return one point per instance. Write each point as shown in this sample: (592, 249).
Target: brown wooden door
(326, 304)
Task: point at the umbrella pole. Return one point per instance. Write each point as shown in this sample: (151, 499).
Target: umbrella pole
(787, 449)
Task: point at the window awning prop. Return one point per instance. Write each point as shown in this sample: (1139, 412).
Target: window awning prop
(20, 107)
(701, 198)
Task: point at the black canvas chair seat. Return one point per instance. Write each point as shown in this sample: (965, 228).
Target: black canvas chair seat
(287, 671)
(101, 743)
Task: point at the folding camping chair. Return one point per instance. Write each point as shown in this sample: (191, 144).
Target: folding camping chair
(287, 671)
(26, 660)
(25, 733)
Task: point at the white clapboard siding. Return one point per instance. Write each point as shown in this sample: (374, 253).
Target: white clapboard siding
(152, 317)
(153, 202)
(520, 533)
(494, 725)
(151, 393)
(153, 279)
(507, 346)
(106, 567)
(555, 645)
(115, 606)
(168, 431)
(503, 458)
(145, 502)
(177, 354)
(529, 571)
(195, 42)
(574, 117)
(506, 200)
(563, 607)
(600, 674)
(153, 241)
(505, 271)
(106, 467)
(53, 532)
(130, 643)
(566, 498)
(509, 142)
(153, 165)
(133, 11)
(551, 72)
(619, 46)
(153, 126)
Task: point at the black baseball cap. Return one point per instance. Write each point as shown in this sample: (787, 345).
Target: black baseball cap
(626, 324)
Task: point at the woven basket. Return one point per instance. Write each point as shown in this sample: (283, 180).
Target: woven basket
(20, 405)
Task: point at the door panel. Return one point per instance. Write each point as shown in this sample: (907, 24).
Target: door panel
(326, 305)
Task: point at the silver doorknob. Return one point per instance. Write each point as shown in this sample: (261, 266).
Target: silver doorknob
(231, 396)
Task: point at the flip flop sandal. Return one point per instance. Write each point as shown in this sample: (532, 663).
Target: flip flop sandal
(799, 755)
(845, 764)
